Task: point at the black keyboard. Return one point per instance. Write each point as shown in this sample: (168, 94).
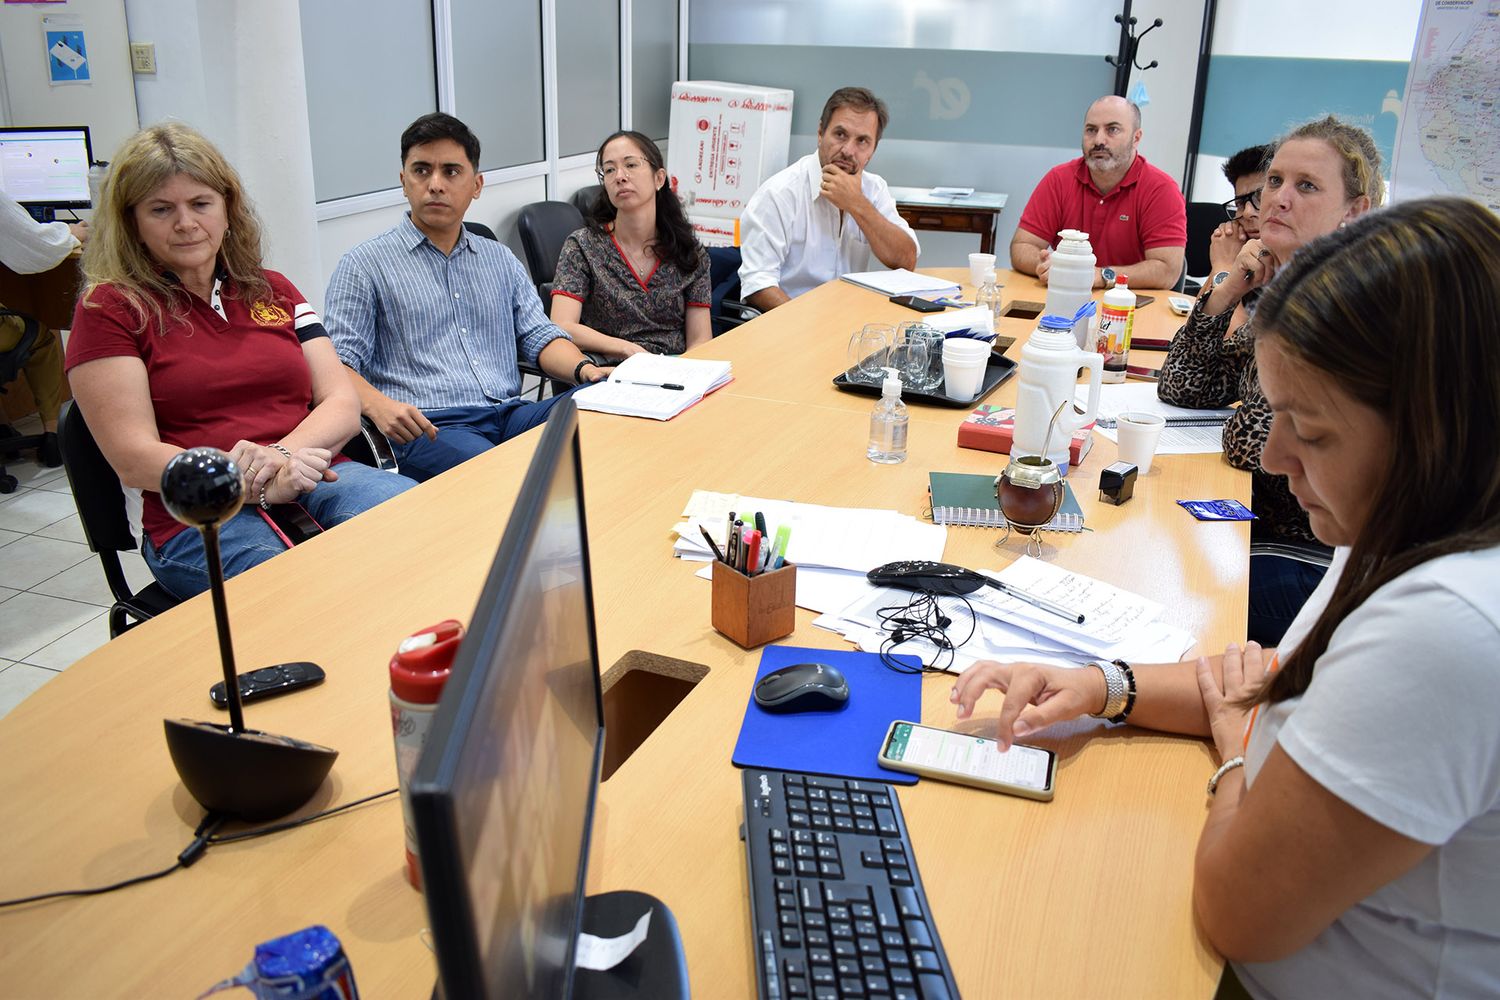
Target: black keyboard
(836, 905)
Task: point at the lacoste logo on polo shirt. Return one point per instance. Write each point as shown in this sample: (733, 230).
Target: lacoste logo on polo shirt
(269, 314)
(1124, 218)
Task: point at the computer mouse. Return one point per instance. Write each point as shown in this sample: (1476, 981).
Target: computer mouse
(802, 687)
(922, 574)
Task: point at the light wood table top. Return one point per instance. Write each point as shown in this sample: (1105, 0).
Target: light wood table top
(1088, 893)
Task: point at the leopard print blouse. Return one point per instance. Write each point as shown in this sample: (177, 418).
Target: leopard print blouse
(1208, 366)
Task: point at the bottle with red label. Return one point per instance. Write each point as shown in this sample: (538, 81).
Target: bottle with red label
(420, 668)
(1116, 320)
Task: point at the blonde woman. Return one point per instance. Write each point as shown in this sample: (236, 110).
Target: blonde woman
(182, 338)
(1321, 176)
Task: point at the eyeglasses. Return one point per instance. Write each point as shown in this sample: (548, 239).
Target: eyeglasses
(631, 164)
(1234, 206)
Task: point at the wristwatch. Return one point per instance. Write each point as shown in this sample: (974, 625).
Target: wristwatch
(1220, 278)
(1108, 276)
(578, 371)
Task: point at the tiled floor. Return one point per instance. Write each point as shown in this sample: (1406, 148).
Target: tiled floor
(53, 597)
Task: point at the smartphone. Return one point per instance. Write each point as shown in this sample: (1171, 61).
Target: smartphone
(1150, 343)
(1141, 301)
(268, 682)
(1142, 373)
(920, 305)
(969, 760)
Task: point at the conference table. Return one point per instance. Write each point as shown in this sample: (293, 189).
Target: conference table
(1087, 895)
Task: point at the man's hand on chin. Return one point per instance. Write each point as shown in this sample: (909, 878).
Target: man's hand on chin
(841, 187)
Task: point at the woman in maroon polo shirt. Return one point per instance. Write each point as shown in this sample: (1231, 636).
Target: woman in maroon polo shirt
(182, 338)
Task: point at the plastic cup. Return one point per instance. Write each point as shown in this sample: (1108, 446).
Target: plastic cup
(1138, 434)
(979, 263)
(964, 364)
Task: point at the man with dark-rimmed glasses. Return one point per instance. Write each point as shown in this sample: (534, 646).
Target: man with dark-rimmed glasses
(1246, 170)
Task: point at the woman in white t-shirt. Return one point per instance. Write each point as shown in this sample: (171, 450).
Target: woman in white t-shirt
(1352, 846)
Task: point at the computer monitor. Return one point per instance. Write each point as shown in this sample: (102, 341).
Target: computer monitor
(46, 167)
(503, 794)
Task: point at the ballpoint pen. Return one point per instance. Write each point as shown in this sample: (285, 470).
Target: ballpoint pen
(1039, 602)
(655, 385)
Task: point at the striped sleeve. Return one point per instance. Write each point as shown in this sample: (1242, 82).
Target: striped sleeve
(305, 320)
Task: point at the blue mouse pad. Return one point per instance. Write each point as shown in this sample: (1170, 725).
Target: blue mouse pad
(841, 744)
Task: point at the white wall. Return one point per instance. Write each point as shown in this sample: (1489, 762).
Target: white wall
(233, 71)
(1166, 120)
(106, 106)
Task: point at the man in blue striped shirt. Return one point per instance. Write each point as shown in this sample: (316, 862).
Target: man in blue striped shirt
(431, 321)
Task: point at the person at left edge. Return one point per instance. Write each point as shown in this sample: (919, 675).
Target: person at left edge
(432, 321)
(181, 338)
(824, 215)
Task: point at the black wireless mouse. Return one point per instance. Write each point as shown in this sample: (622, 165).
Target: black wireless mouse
(802, 687)
(921, 574)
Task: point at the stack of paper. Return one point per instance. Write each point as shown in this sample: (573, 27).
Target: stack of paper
(1117, 623)
(654, 385)
(901, 282)
(844, 538)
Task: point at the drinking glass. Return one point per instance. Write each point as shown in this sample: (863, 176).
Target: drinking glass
(869, 352)
(932, 377)
(910, 361)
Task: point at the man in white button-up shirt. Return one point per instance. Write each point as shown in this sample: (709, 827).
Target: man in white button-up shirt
(30, 247)
(824, 215)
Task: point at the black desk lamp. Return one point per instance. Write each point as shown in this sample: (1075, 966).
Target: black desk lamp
(230, 769)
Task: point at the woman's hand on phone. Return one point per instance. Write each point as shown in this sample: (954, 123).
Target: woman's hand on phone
(1037, 695)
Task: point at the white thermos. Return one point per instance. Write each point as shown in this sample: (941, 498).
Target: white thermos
(1070, 280)
(1048, 379)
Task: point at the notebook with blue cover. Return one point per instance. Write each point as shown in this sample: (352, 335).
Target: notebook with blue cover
(842, 744)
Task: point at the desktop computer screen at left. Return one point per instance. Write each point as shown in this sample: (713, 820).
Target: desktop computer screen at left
(46, 167)
(503, 795)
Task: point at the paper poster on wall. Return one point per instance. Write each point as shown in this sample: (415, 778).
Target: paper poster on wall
(67, 54)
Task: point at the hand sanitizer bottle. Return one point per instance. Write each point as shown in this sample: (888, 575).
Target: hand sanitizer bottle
(888, 423)
(989, 299)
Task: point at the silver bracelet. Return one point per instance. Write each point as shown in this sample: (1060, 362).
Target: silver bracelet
(263, 504)
(281, 448)
(1224, 768)
(1115, 691)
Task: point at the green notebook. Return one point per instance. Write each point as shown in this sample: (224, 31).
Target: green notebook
(968, 500)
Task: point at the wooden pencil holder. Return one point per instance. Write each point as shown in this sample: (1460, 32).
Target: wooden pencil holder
(753, 610)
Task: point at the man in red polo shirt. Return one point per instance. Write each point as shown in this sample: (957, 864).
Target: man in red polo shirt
(1133, 212)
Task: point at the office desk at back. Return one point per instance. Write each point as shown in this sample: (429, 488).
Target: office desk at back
(1090, 892)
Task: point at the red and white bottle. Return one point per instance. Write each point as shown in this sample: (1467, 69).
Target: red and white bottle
(420, 668)
(1116, 321)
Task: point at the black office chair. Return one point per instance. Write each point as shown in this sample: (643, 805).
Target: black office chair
(101, 508)
(728, 311)
(544, 225)
(11, 362)
(372, 448)
(480, 229)
(1203, 217)
(583, 199)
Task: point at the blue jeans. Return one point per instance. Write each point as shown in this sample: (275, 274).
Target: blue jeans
(181, 565)
(1279, 586)
(466, 431)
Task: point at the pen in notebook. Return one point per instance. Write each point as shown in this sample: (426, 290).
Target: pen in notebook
(1039, 602)
(655, 385)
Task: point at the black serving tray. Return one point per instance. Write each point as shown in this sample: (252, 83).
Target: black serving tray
(997, 371)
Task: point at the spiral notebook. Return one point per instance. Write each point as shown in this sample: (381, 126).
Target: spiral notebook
(967, 500)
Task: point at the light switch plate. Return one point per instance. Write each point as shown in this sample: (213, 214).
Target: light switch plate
(143, 57)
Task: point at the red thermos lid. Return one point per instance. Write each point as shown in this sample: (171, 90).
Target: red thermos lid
(423, 662)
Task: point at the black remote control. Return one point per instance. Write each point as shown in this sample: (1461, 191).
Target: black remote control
(269, 682)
